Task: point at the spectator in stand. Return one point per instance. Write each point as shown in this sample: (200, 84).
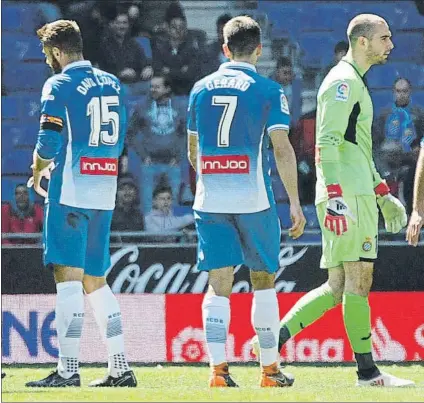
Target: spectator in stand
(157, 134)
(401, 121)
(121, 54)
(22, 215)
(214, 56)
(93, 17)
(127, 215)
(340, 50)
(178, 56)
(161, 218)
(149, 16)
(285, 75)
(397, 135)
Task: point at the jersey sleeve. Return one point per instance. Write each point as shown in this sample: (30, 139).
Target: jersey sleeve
(123, 122)
(191, 113)
(336, 105)
(52, 120)
(279, 114)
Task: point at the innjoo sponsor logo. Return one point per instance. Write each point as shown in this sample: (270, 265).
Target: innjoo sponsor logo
(225, 164)
(99, 166)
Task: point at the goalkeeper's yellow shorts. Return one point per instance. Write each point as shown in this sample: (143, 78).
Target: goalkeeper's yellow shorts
(359, 243)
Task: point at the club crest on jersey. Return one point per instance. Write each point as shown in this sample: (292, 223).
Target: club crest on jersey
(225, 164)
(342, 92)
(367, 245)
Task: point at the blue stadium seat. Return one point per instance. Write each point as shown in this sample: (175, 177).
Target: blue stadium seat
(380, 99)
(25, 76)
(10, 107)
(21, 47)
(384, 76)
(24, 17)
(317, 49)
(409, 46)
(418, 98)
(18, 135)
(284, 18)
(50, 12)
(322, 16)
(30, 108)
(406, 16)
(145, 44)
(17, 162)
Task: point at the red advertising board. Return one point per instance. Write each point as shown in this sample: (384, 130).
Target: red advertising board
(397, 330)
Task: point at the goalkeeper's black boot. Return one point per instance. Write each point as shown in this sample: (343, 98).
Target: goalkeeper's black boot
(126, 380)
(54, 380)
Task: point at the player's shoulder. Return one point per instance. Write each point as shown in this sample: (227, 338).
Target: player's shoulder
(54, 86)
(341, 79)
(102, 73)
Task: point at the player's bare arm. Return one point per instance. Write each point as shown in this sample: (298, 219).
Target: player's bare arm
(40, 169)
(285, 159)
(417, 217)
(192, 149)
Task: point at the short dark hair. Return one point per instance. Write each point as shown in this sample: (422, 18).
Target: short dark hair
(162, 189)
(284, 61)
(62, 34)
(341, 46)
(242, 35)
(223, 19)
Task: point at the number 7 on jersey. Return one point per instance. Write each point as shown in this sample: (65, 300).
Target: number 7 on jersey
(229, 102)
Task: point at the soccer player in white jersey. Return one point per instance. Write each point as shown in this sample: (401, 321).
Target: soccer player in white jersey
(233, 115)
(417, 217)
(81, 133)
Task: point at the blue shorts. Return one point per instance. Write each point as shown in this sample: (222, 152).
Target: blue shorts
(77, 237)
(233, 239)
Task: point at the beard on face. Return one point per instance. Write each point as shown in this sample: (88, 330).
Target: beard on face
(55, 65)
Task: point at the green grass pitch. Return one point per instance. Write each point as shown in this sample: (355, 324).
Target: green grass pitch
(189, 383)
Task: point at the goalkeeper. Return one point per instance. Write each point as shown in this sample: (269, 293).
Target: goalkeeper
(348, 191)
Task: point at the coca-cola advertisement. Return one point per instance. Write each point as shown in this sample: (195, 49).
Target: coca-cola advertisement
(173, 270)
(397, 330)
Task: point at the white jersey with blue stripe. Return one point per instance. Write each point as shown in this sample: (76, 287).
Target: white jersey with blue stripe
(233, 111)
(82, 111)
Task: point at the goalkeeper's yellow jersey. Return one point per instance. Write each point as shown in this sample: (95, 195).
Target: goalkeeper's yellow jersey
(343, 133)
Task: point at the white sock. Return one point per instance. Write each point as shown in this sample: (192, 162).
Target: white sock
(69, 321)
(265, 321)
(216, 321)
(108, 317)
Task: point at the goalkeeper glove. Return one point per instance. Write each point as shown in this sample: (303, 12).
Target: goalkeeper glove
(393, 211)
(337, 210)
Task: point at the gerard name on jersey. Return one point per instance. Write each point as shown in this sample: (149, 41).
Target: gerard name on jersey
(235, 83)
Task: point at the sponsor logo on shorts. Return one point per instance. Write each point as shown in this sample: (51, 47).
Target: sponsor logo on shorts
(367, 245)
(225, 164)
(99, 166)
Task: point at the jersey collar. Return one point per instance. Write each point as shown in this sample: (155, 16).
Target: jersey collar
(81, 63)
(238, 65)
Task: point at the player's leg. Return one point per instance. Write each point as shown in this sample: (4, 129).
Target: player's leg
(105, 306)
(218, 252)
(65, 234)
(312, 306)
(356, 309)
(260, 236)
